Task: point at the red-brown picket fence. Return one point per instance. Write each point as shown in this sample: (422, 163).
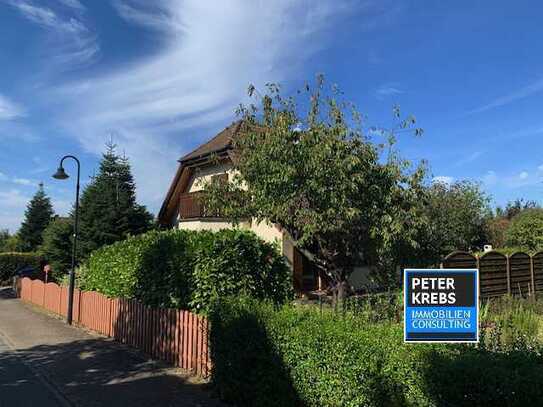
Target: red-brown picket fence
(175, 336)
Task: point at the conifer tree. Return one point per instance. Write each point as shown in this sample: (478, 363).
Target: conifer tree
(57, 245)
(38, 214)
(109, 211)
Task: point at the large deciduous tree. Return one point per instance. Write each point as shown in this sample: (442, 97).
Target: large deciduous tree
(38, 214)
(338, 188)
(109, 211)
(526, 230)
(456, 219)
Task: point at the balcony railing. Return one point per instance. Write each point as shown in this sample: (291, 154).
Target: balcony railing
(191, 207)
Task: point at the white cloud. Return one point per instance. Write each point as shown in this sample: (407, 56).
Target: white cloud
(514, 179)
(212, 51)
(13, 198)
(522, 93)
(469, 158)
(12, 204)
(75, 4)
(443, 179)
(74, 43)
(23, 181)
(142, 14)
(490, 178)
(388, 89)
(17, 180)
(10, 110)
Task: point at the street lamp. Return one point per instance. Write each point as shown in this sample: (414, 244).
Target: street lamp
(61, 174)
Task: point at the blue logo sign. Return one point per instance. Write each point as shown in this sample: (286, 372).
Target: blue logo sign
(441, 305)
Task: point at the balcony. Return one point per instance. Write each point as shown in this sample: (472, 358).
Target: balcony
(192, 207)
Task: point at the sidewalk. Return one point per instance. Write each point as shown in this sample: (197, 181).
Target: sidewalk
(80, 369)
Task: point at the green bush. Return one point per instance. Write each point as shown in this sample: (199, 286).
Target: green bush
(11, 262)
(187, 269)
(526, 230)
(268, 356)
(154, 267)
(233, 262)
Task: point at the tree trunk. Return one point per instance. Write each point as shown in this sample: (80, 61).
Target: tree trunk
(339, 293)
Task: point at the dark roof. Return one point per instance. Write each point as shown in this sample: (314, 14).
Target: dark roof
(220, 142)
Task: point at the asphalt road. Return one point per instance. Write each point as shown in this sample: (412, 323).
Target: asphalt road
(19, 385)
(45, 363)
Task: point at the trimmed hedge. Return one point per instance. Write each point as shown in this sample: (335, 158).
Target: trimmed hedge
(12, 261)
(188, 269)
(268, 356)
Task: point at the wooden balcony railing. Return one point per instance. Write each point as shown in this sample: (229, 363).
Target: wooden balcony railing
(192, 207)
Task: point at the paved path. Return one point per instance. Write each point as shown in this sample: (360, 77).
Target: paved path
(45, 363)
(16, 378)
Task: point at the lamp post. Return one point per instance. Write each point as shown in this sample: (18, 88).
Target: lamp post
(61, 174)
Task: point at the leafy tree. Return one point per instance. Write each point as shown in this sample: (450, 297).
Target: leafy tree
(498, 224)
(497, 231)
(4, 237)
(526, 230)
(513, 208)
(57, 245)
(13, 244)
(456, 216)
(310, 168)
(109, 211)
(39, 213)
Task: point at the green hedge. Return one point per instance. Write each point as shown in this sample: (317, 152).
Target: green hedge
(11, 262)
(187, 269)
(265, 356)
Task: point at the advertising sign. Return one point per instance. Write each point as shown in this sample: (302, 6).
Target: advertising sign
(441, 305)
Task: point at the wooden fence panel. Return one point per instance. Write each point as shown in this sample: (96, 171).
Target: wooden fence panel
(176, 336)
(493, 274)
(537, 260)
(26, 289)
(460, 260)
(38, 292)
(520, 274)
(52, 298)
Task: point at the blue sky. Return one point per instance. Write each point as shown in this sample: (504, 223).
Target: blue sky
(160, 77)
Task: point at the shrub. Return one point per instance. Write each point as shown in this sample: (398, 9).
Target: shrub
(234, 262)
(526, 230)
(11, 262)
(268, 356)
(153, 267)
(187, 269)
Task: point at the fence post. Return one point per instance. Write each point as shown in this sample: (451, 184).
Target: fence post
(478, 265)
(532, 275)
(508, 272)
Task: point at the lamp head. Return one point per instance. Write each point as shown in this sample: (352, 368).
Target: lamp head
(60, 174)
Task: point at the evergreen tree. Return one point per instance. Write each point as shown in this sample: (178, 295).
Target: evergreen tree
(38, 214)
(57, 245)
(109, 211)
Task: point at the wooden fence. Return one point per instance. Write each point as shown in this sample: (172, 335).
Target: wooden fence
(517, 274)
(175, 336)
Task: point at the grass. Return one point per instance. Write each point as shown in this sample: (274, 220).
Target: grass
(506, 323)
